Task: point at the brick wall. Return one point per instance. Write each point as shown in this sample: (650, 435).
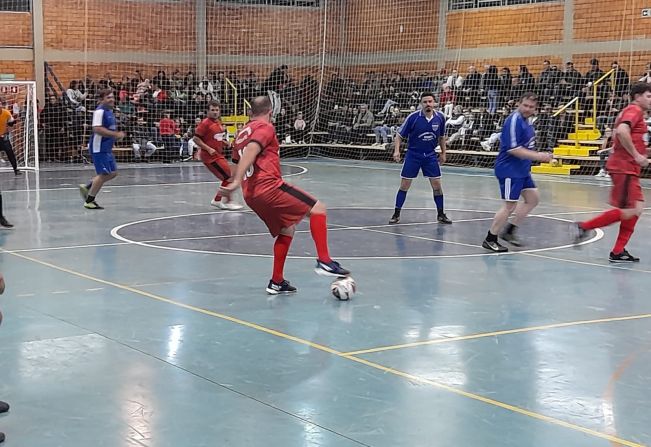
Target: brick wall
(376, 26)
(119, 25)
(23, 70)
(16, 29)
(602, 20)
(492, 27)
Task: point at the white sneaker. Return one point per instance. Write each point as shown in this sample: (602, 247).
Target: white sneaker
(216, 204)
(601, 173)
(231, 206)
(607, 176)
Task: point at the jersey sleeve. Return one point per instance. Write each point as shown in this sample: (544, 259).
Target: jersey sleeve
(263, 135)
(515, 135)
(406, 127)
(98, 118)
(201, 130)
(631, 116)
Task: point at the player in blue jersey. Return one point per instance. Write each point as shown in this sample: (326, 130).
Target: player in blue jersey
(425, 130)
(513, 171)
(100, 147)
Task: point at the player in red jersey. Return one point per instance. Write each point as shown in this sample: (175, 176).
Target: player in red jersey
(211, 138)
(629, 156)
(280, 205)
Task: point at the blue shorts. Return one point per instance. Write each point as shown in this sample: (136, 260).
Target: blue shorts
(104, 163)
(429, 164)
(510, 188)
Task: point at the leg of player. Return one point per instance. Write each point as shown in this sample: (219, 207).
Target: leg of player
(220, 169)
(11, 155)
(501, 217)
(437, 190)
(522, 210)
(405, 184)
(3, 221)
(325, 266)
(278, 284)
(96, 184)
(626, 229)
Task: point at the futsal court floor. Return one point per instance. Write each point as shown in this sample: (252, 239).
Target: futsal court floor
(147, 323)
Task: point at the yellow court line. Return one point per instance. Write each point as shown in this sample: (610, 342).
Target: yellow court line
(497, 333)
(339, 354)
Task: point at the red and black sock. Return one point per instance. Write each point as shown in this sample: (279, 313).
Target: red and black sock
(626, 229)
(281, 248)
(319, 230)
(603, 220)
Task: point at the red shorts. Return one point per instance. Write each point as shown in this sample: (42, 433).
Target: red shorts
(217, 164)
(281, 207)
(626, 191)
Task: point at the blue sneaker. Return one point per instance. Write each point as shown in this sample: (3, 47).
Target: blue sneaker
(331, 268)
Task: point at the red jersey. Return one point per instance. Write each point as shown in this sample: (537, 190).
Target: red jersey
(264, 175)
(620, 161)
(213, 134)
(167, 126)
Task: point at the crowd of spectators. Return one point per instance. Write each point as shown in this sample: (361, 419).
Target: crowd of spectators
(159, 113)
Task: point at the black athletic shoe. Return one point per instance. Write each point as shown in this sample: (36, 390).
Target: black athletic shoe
(580, 234)
(2, 437)
(494, 246)
(4, 407)
(5, 223)
(283, 287)
(394, 219)
(511, 238)
(624, 256)
(332, 268)
(442, 218)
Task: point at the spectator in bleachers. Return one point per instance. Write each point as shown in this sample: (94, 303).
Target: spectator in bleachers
(646, 77)
(620, 80)
(205, 87)
(572, 81)
(143, 140)
(455, 80)
(470, 88)
(525, 82)
(75, 97)
(484, 123)
(362, 124)
(300, 128)
(492, 86)
(447, 100)
(544, 127)
(494, 138)
(457, 126)
(388, 127)
(168, 130)
(506, 83)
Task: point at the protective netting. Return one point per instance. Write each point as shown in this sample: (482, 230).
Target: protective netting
(17, 126)
(343, 74)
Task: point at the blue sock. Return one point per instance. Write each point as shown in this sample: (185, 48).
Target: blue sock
(400, 198)
(439, 203)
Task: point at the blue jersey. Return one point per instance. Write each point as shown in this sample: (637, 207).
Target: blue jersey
(423, 134)
(102, 116)
(516, 132)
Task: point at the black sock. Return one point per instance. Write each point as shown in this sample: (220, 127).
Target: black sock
(510, 228)
(90, 199)
(396, 212)
(490, 237)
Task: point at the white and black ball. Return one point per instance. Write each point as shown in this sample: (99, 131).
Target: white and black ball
(343, 288)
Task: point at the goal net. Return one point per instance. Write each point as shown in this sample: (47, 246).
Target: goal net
(342, 74)
(21, 138)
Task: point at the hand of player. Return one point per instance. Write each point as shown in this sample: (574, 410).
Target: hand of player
(396, 157)
(442, 158)
(642, 160)
(227, 190)
(545, 157)
(120, 135)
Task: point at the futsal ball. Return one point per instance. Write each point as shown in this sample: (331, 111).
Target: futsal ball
(343, 288)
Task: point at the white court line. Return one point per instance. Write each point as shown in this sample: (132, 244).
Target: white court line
(115, 233)
(109, 186)
(592, 264)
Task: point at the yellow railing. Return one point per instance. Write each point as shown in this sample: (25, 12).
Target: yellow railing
(226, 90)
(594, 96)
(235, 102)
(575, 101)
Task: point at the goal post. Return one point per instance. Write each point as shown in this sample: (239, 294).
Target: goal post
(19, 97)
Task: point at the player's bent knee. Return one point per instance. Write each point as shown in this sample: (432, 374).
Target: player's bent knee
(288, 231)
(318, 208)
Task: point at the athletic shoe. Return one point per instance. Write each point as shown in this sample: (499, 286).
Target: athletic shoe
(601, 173)
(4, 407)
(442, 218)
(580, 234)
(18, 172)
(624, 256)
(83, 190)
(216, 204)
(282, 287)
(5, 223)
(511, 238)
(2, 437)
(394, 219)
(331, 268)
(494, 246)
(232, 206)
(92, 206)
